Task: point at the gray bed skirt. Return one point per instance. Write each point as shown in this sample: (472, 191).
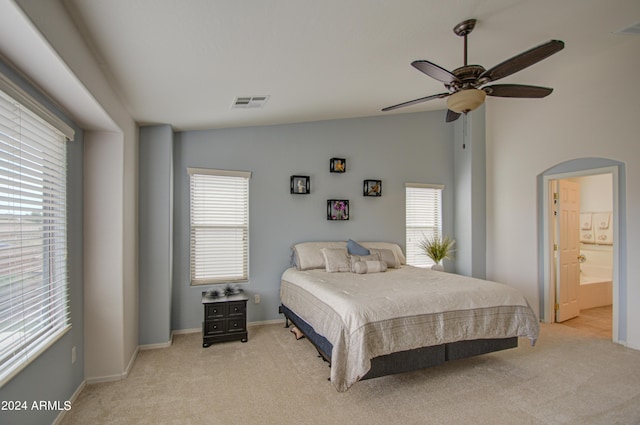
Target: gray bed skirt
(405, 361)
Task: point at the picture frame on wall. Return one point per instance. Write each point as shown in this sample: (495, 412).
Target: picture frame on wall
(338, 209)
(338, 165)
(372, 188)
(300, 185)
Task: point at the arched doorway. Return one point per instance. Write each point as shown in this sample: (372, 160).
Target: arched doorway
(547, 282)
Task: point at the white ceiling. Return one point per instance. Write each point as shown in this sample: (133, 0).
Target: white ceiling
(184, 62)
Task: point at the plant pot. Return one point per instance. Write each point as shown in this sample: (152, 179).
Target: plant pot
(438, 267)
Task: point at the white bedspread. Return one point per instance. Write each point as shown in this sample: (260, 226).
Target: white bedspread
(370, 315)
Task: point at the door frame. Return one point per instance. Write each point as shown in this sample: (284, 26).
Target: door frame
(549, 281)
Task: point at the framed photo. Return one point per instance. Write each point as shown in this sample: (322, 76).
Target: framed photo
(338, 209)
(300, 185)
(372, 188)
(338, 165)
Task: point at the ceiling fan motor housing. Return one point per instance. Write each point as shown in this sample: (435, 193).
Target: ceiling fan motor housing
(466, 77)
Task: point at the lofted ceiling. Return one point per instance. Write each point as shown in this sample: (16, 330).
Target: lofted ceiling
(184, 62)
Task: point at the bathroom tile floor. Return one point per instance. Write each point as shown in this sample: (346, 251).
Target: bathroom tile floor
(595, 320)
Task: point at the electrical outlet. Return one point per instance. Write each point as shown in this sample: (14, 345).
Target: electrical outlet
(73, 355)
(256, 298)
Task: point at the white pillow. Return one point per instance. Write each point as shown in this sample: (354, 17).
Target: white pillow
(397, 251)
(388, 257)
(374, 256)
(336, 260)
(362, 267)
(308, 255)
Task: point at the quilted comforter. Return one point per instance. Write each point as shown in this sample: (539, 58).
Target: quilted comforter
(370, 315)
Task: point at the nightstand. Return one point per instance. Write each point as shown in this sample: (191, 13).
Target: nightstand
(225, 319)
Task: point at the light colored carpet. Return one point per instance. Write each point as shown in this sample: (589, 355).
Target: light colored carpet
(569, 377)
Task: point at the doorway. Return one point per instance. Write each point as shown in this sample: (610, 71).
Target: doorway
(584, 258)
(549, 266)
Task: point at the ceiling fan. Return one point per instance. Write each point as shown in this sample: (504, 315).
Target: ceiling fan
(466, 85)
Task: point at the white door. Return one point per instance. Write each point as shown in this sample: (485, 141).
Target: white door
(568, 287)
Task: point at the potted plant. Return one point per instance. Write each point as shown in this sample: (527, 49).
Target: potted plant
(438, 248)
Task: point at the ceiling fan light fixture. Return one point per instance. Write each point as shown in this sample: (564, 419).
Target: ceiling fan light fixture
(466, 100)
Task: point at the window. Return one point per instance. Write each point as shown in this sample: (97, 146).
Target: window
(219, 226)
(424, 219)
(34, 284)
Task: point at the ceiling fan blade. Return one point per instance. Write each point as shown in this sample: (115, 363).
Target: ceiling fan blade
(522, 61)
(415, 101)
(434, 71)
(452, 116)
(517, 90)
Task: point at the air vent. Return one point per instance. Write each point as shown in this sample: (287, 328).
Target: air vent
(246, 102)
(631, 29)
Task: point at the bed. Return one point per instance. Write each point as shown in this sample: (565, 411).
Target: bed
(371, 315)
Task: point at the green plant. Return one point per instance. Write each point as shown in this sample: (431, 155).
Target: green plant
(438, 248)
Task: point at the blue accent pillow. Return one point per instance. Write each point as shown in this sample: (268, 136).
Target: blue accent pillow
(355, 248)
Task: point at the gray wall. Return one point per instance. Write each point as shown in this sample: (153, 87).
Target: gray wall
(395, 149)
(470, 182)
(51, 376)
(155, 227)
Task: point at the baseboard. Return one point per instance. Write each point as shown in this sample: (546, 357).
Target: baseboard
(107, 378)
(186, 331)
(265, 322)
(72, 399)
(158, 345)
(119, 376)
(132, 360)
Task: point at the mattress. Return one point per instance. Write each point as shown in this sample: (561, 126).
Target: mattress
(371, 315)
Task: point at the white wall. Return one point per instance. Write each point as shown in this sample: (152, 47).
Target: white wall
(103, 271)
(596, 193)
(92, 102)
(588, 115)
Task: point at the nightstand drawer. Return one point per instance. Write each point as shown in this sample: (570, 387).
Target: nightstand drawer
(214, 311)
(214, 327)
(237, 308)
(236, 325)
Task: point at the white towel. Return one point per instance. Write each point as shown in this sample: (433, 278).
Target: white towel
(602, 220)
(585, 221)
(587, 236)
(604, 236)
(604, 231)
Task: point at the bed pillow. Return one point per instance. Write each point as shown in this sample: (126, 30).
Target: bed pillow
(358, 258)
(397, 251)
(388, 257)
(363, 267)
(355, 248)
(336, 260)
(308, 255)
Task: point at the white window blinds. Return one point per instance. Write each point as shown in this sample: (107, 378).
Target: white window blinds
(423, 219)
(34, 302)
(219, 226)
